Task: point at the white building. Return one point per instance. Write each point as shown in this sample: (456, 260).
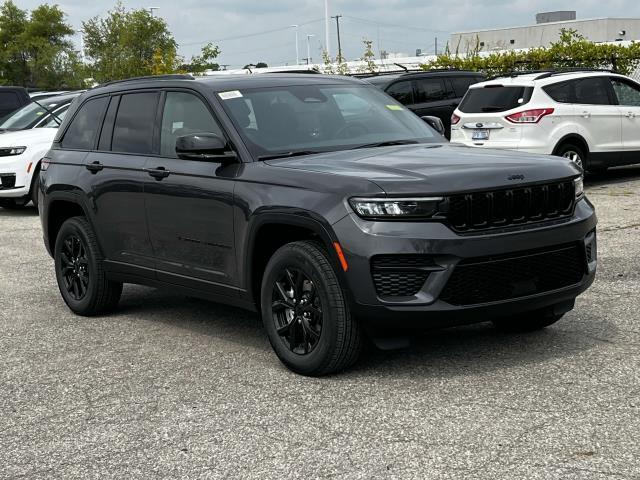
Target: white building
(546, 31)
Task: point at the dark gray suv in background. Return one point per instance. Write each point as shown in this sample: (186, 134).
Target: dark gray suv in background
(318, 201)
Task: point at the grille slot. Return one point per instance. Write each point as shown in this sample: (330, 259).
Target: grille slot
(516, 206)
(491, 279)
(400, 275)
(8, 181)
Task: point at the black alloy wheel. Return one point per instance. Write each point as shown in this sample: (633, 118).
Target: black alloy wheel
(297, 311)
(74, 267)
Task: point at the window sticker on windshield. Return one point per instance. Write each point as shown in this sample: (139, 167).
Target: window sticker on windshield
(394, 107)
(230, 94)
(177, 126)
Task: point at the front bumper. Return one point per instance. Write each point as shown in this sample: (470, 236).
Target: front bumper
(362, 240)
(15, 181)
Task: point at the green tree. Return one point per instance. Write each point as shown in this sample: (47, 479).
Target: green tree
(368, 57)
(35, 48)
(205, 61)
(128, 44)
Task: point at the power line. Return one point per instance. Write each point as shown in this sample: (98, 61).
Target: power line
(249, 35)
(394, 25)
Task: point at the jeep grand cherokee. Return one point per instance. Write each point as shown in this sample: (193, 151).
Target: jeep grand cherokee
(318, 201)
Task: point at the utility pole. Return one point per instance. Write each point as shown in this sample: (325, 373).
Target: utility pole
(436, 46)
(326, 27)
(152, 9)
(337, 17)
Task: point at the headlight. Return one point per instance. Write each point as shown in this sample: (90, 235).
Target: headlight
(390, 208)
(10, 151)
(579, 186)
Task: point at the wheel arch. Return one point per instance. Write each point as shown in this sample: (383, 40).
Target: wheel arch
(270, 231)
(60, 207)
(575, 138)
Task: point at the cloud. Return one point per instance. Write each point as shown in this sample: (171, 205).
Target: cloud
(386, 22)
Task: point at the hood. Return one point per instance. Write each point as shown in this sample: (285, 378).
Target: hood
(436, 169)
(25, 138)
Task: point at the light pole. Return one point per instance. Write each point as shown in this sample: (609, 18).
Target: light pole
(151, 9)
(297, 51)
(326, 26)
(309, 48)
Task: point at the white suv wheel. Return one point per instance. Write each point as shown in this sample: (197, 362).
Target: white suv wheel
(573, 156)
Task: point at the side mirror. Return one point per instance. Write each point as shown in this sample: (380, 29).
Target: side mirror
(435, 123)
(204, 146)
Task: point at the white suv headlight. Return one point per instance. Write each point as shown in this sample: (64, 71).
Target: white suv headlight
(393, 208)
(11, 151)
(579, 186)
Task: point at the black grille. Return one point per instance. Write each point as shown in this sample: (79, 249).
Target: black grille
(8, 181)
(492, 279)
(399, 275)
(504, 208)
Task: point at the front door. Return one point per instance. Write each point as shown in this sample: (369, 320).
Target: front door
(628, 96)
(190, 203)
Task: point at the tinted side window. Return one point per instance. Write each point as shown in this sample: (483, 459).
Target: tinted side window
(134, 124)
(592, 91)
(402, 92)
(9, 101)
(561, 92)
(184, 113)
(628, 94)
(461, 84)
(84, 127)
(432, 90)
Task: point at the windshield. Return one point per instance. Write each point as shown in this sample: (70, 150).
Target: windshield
(32, 114)
(320, 118)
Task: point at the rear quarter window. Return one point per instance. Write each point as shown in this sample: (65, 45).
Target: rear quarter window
(84, 128)
(495, 98)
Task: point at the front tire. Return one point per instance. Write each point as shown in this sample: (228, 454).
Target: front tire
(305, 313)
(80, 271)
(574, 153)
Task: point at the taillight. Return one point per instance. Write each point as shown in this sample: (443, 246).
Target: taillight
(454, 119)
(529, 116)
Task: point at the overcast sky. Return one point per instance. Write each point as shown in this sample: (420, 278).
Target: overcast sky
(239, 26)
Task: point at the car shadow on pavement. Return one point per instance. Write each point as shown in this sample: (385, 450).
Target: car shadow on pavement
(613, 175)
(472, 349)
(19, 212)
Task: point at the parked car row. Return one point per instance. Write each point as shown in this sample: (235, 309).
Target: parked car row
(25, 137)
(320, 202)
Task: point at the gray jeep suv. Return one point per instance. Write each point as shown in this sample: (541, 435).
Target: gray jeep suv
(318, 201)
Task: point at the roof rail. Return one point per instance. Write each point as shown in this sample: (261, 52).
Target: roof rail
(414, 71)
(173, 76)
(572, 70)
(518, 73)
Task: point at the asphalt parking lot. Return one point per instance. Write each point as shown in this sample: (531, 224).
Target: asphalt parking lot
(170, 387)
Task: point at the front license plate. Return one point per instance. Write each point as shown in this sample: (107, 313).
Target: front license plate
(480, 135)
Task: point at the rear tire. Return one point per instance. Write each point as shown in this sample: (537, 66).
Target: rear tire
(530, 322)
(80, 271)
(33, 192)
(305, 313)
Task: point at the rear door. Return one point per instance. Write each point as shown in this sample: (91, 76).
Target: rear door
(598, 115)
(627, 95)
(190, 206)
(434, 96)
(116, 176)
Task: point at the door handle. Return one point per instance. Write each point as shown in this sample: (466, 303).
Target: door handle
(586, 114)
(158, 173)
(94, 167)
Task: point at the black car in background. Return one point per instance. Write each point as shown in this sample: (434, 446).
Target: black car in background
(435, 93)
(316, 200)
(11, 99)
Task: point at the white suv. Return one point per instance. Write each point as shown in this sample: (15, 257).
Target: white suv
(591, 117)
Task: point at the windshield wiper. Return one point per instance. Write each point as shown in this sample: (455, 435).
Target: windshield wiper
(389, 143)
(55, 117)
(297, 153)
